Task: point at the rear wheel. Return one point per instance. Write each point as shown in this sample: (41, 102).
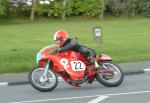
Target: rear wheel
(43, 83)
(112, 77)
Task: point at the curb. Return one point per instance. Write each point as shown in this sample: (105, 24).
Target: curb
(19, 83)
(3, 84)
(144, 71)
(134, 72)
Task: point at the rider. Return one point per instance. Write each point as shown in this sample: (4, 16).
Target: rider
(66, 43)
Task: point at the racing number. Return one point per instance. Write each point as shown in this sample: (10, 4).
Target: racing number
(77, 65)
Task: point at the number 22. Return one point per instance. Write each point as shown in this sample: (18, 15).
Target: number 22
(78, 65)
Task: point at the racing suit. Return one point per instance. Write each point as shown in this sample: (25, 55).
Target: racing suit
(72, 44)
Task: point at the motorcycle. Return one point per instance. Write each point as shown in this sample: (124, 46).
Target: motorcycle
(74, 68)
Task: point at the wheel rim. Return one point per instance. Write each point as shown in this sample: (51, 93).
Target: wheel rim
(114, 76)
(41, 81)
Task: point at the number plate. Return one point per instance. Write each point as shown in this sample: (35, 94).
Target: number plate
(78, 66)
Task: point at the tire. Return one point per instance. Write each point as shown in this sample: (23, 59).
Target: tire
(109, 82)
(37, 82)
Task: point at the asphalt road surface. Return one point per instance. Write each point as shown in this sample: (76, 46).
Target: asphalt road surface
(134, 89)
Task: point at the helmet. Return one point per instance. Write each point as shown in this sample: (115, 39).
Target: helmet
(60, 36)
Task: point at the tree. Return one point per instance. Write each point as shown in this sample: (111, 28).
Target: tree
(33, 10)
(102, 9)
(64, 8)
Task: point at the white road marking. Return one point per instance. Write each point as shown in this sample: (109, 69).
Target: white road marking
(4, 84)
(69, 98)
(99, 99)
(128, 93)
(56, 99)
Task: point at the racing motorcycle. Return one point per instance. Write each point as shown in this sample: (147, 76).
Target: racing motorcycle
(74, 68)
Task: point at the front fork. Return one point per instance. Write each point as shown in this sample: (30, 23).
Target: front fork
(46, 68)
(106, 72)
(43, 77)
(101, 66)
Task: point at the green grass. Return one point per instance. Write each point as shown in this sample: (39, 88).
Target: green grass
(124, 40)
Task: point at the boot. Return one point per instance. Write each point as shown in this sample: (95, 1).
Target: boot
(97, 67)
(93, 61)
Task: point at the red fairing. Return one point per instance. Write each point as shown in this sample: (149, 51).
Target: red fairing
(104, 57)
(72, 62)
(75, 60)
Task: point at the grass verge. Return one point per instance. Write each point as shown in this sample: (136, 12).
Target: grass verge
(124, 40)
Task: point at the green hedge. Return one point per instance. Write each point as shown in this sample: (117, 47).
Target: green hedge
(55, 9)
(144, 7)
(4, 8)
(88, 8)
(128, 7)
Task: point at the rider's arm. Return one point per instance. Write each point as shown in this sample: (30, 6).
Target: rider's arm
(69, 45)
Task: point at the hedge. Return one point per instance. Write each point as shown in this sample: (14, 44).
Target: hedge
(88, 8)
(128, 7)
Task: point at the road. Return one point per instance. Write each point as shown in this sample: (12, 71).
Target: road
(134, 89)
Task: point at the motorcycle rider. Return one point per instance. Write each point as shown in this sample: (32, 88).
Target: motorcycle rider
(66, 43)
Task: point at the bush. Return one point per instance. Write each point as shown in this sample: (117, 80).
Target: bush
(144, 7)
(128, 7)
(4, 8)
(89, 8)
(55, 9)
(121, 7)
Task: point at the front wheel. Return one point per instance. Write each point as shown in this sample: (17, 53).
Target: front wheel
(43, 83)
(113, 76)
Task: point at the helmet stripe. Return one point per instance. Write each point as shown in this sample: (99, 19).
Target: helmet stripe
(55, 35)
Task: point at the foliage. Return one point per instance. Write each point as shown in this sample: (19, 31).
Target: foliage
(128, 7)
(74, 7)
(54, 9)
(3, 8)
(88, 8)
(121, 7)
(144, 7)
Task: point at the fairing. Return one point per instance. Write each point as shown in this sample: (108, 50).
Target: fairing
(104, 57)
(69, 61)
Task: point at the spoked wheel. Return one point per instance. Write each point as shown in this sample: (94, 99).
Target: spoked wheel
(43, 83)
(111, 76)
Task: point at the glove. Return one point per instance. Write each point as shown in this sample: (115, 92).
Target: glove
(56, 51)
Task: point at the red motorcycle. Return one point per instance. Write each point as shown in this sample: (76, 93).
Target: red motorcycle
(73, 68)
